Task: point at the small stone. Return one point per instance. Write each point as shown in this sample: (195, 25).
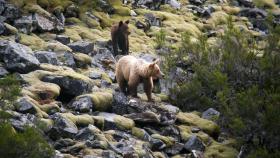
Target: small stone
(63, 39)
(211, 114)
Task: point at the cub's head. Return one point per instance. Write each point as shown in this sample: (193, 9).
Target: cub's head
(155, 70)
(123, 27)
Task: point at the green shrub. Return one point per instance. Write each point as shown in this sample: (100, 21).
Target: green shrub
(29, 143)
(160, 39)
(230, 77)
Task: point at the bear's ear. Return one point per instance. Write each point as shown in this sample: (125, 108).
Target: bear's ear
(156, 61)
(127, 21)
(120, 23)
(152, 65)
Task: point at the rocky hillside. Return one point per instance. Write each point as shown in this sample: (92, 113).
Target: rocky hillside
(61, 53)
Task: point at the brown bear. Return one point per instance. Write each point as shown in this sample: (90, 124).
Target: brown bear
(119, 35)
(130, 71)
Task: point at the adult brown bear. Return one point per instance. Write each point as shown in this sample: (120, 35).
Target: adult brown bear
(119, 35)
(130, 71)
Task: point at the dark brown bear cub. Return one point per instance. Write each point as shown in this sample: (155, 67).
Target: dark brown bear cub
(119, 35)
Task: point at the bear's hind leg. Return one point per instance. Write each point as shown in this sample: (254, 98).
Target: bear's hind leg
(123, 87)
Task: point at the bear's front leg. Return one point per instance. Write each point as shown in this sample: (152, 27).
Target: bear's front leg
(148, 87)
(132, 85)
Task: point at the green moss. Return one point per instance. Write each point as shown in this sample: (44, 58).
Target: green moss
(265, 3)
(169, 141)
(138, 132)
(11, 29)
(58, 47)
(33, 41)
(219, 150)
(124, 123)
(231, 10)
(79, 120)
(185, 132)
(34, 8)
(209, 127)
(102, 101)
(218, 18)
(81, 57)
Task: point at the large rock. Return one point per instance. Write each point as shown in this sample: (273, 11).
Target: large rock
(24, 24)
(69, 85)
(19, 58)
(47, 57)
(20, 121)
(82, 104)
(11, 12)
(194, 143)
(145, 112)
(63, 127)
(253, 13)
(197, 2)
(44, 24)
(113, 121)
(153, 20)
(246, 3)
(81, 46)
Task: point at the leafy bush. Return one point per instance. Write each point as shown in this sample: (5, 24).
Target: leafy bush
(234, 78)
(25, 144)
(160, 39)
(29, 143)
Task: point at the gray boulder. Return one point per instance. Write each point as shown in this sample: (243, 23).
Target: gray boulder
(47, 57)
(19, 58)
(153, 20)
(82, 104)
(70, 87)
(62, 127)
(24, 24)
(11, 12)
(194, 143)
(211, 114)
(81, 46)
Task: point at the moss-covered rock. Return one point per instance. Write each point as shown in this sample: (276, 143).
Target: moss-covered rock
(169, 141)
(79, 120)
(219, 150)
(102, 101)
(33, 41)
(124, 123)
(207, 126)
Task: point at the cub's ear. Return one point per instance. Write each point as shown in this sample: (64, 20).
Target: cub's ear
(127, 21)
(120, 23)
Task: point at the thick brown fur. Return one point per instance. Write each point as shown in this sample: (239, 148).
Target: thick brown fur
(130, 71)
(119, 35)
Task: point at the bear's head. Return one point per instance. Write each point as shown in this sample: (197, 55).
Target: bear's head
(123, 27)
(154, 70)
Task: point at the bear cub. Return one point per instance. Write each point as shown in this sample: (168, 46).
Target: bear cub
(130, 71)
(119, 35)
